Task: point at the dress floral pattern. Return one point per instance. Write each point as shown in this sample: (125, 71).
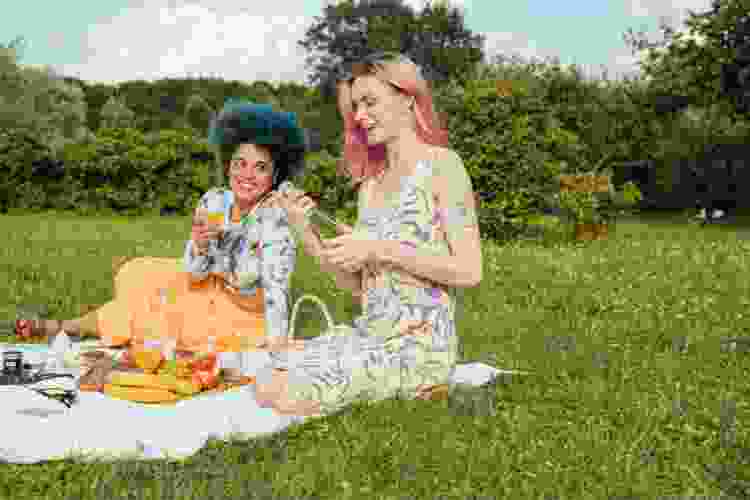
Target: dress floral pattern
(259, 251)
(406, 335)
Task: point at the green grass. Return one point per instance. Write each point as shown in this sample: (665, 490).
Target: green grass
(631, 394)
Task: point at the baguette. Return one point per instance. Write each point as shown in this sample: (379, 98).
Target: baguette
(182, 386)
(140, 394)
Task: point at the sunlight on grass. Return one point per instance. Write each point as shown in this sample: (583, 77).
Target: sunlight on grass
(633, 390)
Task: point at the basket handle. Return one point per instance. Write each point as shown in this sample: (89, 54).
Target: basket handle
(317, 301)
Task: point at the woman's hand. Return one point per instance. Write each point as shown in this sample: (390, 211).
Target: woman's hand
(351, 252)
(296, 205)
(202, 232)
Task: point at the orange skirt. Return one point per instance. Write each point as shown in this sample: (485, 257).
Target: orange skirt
(193, 313)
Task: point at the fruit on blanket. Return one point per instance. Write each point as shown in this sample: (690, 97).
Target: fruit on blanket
(148, 360)
(169, 367)
(183, 368)
(126, 360)
(140, 394)
(187, 387)
(162, 381)
(146, 380)
(208, 380)
(205, 362)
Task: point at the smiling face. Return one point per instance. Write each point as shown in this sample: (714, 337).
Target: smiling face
(382, 110)
(250, 171)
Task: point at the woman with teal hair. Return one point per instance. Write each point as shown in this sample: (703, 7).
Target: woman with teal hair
(231, 288)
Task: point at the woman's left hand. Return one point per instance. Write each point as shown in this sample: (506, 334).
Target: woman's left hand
(351, 252)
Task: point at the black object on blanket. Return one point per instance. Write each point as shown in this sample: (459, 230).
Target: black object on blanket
(16, 372)
(65, 396)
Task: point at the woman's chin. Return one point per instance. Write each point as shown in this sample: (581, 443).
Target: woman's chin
(246, 197)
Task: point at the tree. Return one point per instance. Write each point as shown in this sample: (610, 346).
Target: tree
(116, 114)
(435, 38)
(198, 114)
(689, 64)
(735, 76)
(40, 100)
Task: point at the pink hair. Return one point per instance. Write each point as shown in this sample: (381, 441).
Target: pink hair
(363, 160)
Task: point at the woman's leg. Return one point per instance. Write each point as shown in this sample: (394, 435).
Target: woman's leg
(279, 398)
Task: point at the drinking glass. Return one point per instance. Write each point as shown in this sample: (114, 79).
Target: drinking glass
(215, 219)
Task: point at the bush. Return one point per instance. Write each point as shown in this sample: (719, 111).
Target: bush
(120, 171)
(20, 187)
(513, 147)
(338, 197)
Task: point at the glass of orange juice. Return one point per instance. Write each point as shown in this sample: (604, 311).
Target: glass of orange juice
(215, 219)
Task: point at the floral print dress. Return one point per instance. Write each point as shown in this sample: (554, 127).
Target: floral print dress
(406, 336)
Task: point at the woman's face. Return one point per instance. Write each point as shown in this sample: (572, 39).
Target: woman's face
(380, 109)
(250, 173)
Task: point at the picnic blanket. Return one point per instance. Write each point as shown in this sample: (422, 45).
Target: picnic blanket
(37, 429)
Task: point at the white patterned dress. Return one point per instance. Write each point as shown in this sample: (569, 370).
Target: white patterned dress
(406, 336)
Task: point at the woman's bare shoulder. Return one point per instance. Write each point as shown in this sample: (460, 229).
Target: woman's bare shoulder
(444, 153)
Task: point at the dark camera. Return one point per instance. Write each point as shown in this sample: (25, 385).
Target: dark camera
(13, 363)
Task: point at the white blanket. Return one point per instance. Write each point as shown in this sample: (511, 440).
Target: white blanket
(36, 429)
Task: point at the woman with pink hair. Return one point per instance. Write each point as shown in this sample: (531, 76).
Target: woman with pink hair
(415, 242)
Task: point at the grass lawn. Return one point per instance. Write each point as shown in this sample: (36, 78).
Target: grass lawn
(632, 394)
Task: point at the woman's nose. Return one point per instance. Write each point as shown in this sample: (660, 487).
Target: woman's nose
(360, 118)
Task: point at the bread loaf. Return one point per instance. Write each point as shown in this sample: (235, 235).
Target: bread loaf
(181, 386)
(140, 394)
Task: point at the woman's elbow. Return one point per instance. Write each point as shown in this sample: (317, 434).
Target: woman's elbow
(474, 281)
(471, 279)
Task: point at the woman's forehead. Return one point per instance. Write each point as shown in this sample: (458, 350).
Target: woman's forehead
(252, 151)
(366, 85)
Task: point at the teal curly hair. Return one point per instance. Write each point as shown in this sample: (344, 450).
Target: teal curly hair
(243, 122)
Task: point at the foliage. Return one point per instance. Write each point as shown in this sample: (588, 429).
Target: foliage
(198, 115)
(513, 147)
(338, 195)
(20, 150)
(436, 38)
(115, 114)
(690, 63)
(583, 205)
(40, 101)
(121, 171)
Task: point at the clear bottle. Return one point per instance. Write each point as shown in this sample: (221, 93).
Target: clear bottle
(215, 218)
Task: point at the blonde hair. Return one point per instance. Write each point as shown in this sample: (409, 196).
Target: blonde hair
(363, 160)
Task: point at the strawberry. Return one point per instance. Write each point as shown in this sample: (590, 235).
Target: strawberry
(205, 362)
(209, 380)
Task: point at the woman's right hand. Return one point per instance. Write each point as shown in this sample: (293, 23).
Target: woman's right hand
(201, 232)
(296, 204)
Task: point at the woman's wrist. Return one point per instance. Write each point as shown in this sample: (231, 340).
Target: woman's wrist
(199, 250)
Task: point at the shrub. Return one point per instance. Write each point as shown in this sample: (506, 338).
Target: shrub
(513, 146)
(338, 197)
(21, 188)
